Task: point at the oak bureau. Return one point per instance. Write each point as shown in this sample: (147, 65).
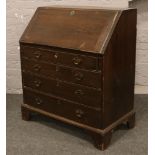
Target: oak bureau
(78, 67)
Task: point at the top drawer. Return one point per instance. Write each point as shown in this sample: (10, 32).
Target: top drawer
(61, 57)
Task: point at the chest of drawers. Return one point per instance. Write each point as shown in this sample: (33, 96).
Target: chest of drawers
(78, 66)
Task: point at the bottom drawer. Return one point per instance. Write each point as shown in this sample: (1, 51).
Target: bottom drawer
(66, 109)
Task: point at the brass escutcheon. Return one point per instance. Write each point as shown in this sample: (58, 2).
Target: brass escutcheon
(72, 13)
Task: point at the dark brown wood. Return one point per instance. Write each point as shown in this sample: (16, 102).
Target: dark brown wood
(119, 69)
(26, 114)
(131, 121)
(59, 56)
(73, 92)
(102, 141)
(74, 75)
(63, 108)
(78, 66)
(70, 28)
(88, 128)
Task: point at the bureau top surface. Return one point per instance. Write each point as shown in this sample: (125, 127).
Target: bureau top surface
(71, 28)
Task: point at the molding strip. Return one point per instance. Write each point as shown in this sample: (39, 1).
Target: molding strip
(96, 130)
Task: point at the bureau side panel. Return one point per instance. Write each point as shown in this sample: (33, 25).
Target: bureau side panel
(119, 69)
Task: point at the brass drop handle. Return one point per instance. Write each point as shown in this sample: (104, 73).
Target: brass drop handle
(56, 55)
(37, 54)
(79, 92)
(76, 61)
(78, 76)
(38, 101)
(79, 113)
(37, 83)
(37, 67)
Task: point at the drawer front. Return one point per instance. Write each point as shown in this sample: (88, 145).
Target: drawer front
(63, 108)
(61, 57)
(76, 93)
(92, 79)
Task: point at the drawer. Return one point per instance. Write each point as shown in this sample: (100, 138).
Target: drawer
(61, 57)
(73, 92)
(62, 108)
(73, 75)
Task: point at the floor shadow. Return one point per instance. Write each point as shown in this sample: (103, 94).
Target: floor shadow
(62, 127)
(76, 131)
